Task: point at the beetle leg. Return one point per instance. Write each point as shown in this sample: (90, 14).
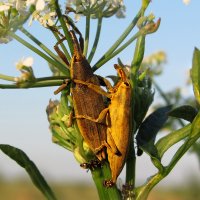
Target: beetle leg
(110, 144)
(63, 86)
(94, 87)
(105, 82)
(100, 118)
(69, 124)
(71, 23)
(60, 53)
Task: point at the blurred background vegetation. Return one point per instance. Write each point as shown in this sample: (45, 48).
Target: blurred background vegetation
(22, 189)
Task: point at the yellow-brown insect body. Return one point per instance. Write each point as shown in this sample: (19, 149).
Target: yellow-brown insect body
(119, 125)
(118, 121)
(87, 102)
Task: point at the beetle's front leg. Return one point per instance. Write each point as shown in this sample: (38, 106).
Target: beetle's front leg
(63, 86)
(94, 87)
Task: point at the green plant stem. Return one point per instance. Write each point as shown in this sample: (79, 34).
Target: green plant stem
(99, 176)
(94, 47)
(131, 166)
(120, 40)
(48, 83)
(7, 78)
(143, 191)
(87, 35)
(110, 56)
(41, 45)
(172, 138)
(56, 64)
(64, 27)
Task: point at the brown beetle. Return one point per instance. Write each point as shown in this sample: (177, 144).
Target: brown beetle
(118, 115)
(86, 101)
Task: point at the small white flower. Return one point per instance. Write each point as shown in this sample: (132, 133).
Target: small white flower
(186, 2)
(28, 62)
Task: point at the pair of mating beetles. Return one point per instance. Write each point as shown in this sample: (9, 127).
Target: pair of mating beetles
(106, 129)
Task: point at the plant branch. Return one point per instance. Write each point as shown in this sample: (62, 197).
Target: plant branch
(7, 78)
(120, 40)
(46, 83)
(87, 35)
(56, 64)
(110, 56)
(94, 47)
(64, 27)
(99, 176)
(41, 45)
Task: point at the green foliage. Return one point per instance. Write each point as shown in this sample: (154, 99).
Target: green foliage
(141, 73)
(195, 74)
(22, 159)
(185, 112)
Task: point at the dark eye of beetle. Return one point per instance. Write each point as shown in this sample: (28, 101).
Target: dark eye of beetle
(127, 84)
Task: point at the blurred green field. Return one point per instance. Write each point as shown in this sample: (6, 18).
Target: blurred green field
(25, 190)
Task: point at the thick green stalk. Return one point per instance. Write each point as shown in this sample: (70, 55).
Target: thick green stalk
(94, 47)
(87, 35)
(99, 175)
(135, 65)
(131, 166)
(41, 45)
(137, 59)
(56, 64)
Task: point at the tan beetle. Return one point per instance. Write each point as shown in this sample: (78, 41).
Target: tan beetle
(118, 115)
(86, 101)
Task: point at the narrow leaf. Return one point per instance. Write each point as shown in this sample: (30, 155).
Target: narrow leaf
(195, 74)
(172, 138)
(22, 159)
(185, 112)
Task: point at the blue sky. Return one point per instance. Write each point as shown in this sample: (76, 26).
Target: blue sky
(23, 119)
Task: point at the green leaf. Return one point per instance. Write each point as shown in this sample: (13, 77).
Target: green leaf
(22, 159)
(194, 135)
(174, 137)
(185, 112)
(148, 130)
(195, 74)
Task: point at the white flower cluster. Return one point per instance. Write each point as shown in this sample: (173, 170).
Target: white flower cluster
(44, 12)
(14, 13)
(97, 8)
